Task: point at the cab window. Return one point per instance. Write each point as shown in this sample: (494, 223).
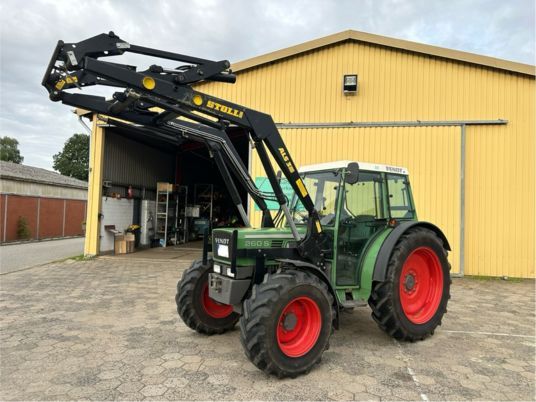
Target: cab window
(322, 188)
(400, 202)
(364, 198)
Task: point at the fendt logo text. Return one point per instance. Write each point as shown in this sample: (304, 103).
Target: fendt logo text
(394, 169)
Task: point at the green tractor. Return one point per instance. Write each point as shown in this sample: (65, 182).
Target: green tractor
(349, 236)
(376, 253)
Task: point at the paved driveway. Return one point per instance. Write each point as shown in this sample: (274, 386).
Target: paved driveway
(107, 329)
(14, 257)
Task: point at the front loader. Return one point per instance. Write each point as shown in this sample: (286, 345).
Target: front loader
(348, 237)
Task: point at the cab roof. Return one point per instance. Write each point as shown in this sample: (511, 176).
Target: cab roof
(376, 167)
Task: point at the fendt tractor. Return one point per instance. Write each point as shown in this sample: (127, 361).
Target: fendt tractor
(349, 235)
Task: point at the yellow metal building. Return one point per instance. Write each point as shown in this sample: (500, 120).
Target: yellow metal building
(463, 124)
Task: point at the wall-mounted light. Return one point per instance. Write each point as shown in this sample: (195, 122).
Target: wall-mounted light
(349, 84)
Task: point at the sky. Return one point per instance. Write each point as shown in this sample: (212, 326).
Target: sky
(227, 29)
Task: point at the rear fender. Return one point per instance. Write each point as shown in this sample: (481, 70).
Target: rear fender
(384, 254)
(313, 269)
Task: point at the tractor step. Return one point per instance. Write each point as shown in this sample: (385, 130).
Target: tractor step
(351, 304)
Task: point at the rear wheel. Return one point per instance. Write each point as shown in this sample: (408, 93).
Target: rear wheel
(411, 302)
(287, 323)
(196, 308)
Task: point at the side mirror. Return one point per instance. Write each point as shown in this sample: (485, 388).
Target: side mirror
(352, 173)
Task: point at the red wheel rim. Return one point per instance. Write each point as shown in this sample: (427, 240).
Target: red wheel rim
(299, 327)
(421, 285)
(212, 307)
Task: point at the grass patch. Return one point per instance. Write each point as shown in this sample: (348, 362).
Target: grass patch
(74, 258)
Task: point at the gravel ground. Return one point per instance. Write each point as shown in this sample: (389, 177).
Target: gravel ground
(108, 329)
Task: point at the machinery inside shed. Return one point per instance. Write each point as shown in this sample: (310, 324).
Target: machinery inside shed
(161, 192)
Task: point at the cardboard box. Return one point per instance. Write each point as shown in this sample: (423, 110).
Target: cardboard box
(161, 186)
(130, 246)
(120, 244)
(130, 237)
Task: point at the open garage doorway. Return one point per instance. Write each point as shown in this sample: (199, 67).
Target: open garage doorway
(209, 202)
(171, 224)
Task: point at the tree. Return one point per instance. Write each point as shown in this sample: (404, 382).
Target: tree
(9, 150)
(73, 160)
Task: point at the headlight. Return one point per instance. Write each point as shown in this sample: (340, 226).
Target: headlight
(223, 250)
(217, 269)
(229, 273)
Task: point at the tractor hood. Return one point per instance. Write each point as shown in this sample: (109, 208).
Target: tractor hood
(224, 241)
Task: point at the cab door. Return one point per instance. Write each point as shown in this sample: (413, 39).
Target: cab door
(362, 213)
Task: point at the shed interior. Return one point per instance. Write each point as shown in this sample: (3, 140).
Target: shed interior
(170, 187)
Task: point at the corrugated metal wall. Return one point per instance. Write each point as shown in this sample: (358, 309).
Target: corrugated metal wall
(400, 86)
(128, 162)
(433, 177)
(40, 189)
(500, 198)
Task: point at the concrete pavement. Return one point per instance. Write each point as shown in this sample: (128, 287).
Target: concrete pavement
(107, 329)
(14, 257)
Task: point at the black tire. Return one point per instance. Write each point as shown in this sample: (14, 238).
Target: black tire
(263, 314)
(386, 301)
(190, 306)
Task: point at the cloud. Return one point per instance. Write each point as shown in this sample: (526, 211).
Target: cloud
(231, 29)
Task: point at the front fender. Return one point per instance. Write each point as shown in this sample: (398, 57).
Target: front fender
(384, 254)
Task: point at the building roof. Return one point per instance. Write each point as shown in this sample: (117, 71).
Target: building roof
(357, 36)
(351, 35)
(14, 171)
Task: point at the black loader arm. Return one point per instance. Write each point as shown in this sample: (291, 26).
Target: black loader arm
(160, 98)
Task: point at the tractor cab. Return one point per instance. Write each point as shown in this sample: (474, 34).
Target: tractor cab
(355, 208)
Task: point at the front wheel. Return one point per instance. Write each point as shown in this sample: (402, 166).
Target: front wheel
(287, 323)
(411, 302)
(195, 306)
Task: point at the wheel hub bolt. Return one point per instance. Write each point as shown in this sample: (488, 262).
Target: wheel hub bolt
(409, 282)
(290, 321)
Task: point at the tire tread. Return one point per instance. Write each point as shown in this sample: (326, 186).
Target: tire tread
(257, 309)
(381, 298)
(185, 301)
